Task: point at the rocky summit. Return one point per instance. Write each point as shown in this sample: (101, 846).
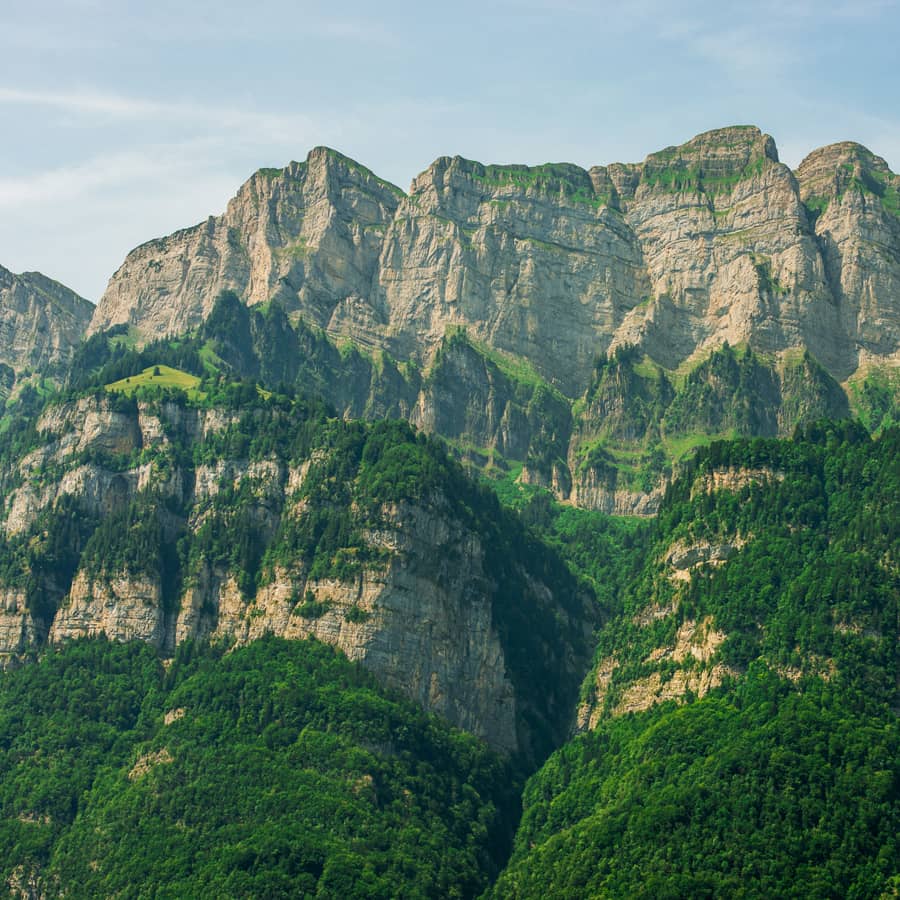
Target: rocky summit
(711, 241)
(41, 321)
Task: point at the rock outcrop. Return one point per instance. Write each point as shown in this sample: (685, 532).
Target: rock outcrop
(128, 520)
(711, 241)
(308, 235)
(854, 200)
(41, 321)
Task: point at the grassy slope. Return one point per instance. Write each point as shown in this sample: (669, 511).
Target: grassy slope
(167, 378)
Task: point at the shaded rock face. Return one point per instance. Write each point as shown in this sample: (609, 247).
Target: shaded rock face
(423, 614)
(467, 397)
(534, 260)
(422, 625)
(853, 197)
(711, 241)
(41, 321)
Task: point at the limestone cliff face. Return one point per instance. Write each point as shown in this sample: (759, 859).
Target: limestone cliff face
(18, 630)
(111, 495)
(711, 241)
(480, 305)
(124, 606)
(41, 321)
(730, 255)
(535, 261)
(422, 621)
(309, 235)
(855, 201)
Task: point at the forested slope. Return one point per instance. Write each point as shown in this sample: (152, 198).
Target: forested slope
(277, 770)
(741, 722)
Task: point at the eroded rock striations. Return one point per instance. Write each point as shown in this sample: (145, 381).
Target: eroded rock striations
(41, 321)
(164, 522)
(711, 241)
(746, 298)
(308, 235)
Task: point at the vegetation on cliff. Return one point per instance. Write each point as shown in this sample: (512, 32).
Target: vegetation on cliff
(277, 770)
(779, 776)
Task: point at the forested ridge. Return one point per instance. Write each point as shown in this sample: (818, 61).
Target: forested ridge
(766, 590)
(277, 770)
(784, 779)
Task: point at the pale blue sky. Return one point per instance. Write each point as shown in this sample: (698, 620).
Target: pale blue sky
(126, 120)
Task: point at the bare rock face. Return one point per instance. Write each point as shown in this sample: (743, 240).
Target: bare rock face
(18, 629)
(711, 241)
(121, 605)
(534, 261)
(730, 254)
(41, 321)
(855, 201)
(309, 235)
(420, 623)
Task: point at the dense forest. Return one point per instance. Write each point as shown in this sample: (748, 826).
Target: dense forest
(276, 770)
(737, 734)
(784, 780)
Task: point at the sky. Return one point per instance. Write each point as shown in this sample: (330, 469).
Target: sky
(123, 120)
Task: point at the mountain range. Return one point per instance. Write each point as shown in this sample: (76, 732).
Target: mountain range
(397, 424)
(513, 285)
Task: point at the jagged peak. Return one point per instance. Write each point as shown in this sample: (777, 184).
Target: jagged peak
(45, 285)
(715, 158)
(329, 159)
(722, 152)
(734, 138)
(828, 173)
(320, 159)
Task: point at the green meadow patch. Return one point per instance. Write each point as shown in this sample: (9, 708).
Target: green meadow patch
(158, 377)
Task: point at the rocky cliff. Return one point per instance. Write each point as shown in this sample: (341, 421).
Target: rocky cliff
(308, 235)
(711, 241)
(162, 521)
(484, 305)
(41, 321)
(854, 200)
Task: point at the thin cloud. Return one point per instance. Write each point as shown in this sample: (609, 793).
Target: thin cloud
(119, 106)
(86, 101)
(741, 53)
(68, 183)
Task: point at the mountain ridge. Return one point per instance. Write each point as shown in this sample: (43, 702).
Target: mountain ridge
(500, 249)
(41, 322)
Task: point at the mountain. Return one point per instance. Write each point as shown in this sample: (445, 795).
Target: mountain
(738, 735)
(711, 241)
(517, 285)
(308, 235)
(737, 732)
(41, 321)
(307, 579)
(243, 515)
